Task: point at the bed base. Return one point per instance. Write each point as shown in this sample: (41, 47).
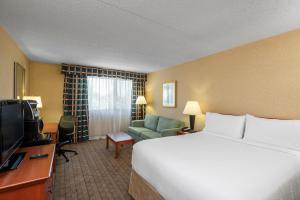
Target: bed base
(140, 189)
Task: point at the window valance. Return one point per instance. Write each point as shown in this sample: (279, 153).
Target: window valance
(102, 72)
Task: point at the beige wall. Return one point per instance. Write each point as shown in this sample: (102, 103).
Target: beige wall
(10, 53)
(47, 81)
(41, 79)
(261, 78)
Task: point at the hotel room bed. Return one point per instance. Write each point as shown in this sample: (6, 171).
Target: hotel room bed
(206, 166)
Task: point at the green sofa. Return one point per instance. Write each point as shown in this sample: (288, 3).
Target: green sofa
(154, 127)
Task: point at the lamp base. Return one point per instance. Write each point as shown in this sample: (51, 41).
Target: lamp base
(192, 121)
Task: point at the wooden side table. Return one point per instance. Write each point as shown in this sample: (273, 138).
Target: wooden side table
(118, 139)
(181, 132)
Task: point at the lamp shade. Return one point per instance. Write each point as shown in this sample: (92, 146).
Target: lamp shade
(36, 98)
(192, 108)
(141, 100)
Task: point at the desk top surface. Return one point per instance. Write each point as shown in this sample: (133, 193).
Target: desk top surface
(30, 170)
(50, 128)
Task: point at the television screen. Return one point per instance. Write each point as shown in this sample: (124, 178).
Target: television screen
(11, 128)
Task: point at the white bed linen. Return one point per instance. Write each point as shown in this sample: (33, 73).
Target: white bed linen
(227, 125)
(209, 167)
(281, 133)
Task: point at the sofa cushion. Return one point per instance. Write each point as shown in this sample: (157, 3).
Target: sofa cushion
(151, 122)
(166, 123)
(135, 137)
(150, 135)
(137, 123)
(137, 130)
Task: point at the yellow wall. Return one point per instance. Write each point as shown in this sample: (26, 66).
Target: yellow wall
(41, 79)
(47, 81)
(10, 53)
(261, 78)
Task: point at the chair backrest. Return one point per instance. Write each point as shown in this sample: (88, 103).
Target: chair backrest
(166, 123)
(66, 127)
(150, 121)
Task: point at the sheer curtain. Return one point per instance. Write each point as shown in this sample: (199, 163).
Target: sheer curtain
(109, 105)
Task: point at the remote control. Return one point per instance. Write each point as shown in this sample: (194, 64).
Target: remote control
(34, 156)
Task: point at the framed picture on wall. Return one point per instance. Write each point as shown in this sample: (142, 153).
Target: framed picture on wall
(19, 81)
(169, 94)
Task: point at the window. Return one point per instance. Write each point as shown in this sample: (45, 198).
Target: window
(109, 105)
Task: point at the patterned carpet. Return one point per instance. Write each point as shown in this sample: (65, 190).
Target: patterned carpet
(94, 173)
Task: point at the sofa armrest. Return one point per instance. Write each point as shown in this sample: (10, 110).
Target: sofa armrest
(169, 132)
(137, 123)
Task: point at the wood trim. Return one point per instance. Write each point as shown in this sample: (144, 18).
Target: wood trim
(140, 189)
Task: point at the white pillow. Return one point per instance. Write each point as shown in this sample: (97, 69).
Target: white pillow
(283, 133)
(225, 125)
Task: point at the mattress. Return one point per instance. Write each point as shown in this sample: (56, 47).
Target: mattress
(209, 167)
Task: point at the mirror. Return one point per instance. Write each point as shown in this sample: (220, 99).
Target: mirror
(19, 81)
(169, 94)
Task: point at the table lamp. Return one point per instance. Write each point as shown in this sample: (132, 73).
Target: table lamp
(141, 101)
(192, 108)
(36, 98)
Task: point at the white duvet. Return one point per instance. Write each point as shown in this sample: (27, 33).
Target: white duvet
(204, 166)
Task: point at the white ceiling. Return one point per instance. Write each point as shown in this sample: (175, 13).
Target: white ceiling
(141, 35)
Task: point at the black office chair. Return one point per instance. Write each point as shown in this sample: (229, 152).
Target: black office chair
(66, 130)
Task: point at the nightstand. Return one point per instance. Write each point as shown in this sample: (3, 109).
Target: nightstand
(185, 132)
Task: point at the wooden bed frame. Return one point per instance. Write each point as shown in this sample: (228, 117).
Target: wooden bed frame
(140, 189)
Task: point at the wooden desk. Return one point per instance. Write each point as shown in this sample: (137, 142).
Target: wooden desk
(33, 179)
(51, 128)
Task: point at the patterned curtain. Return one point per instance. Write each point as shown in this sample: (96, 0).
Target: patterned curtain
(138, 89)
(76, 95)
(75, 101)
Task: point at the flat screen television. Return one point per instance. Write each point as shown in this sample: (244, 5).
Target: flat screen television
(11, 128)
